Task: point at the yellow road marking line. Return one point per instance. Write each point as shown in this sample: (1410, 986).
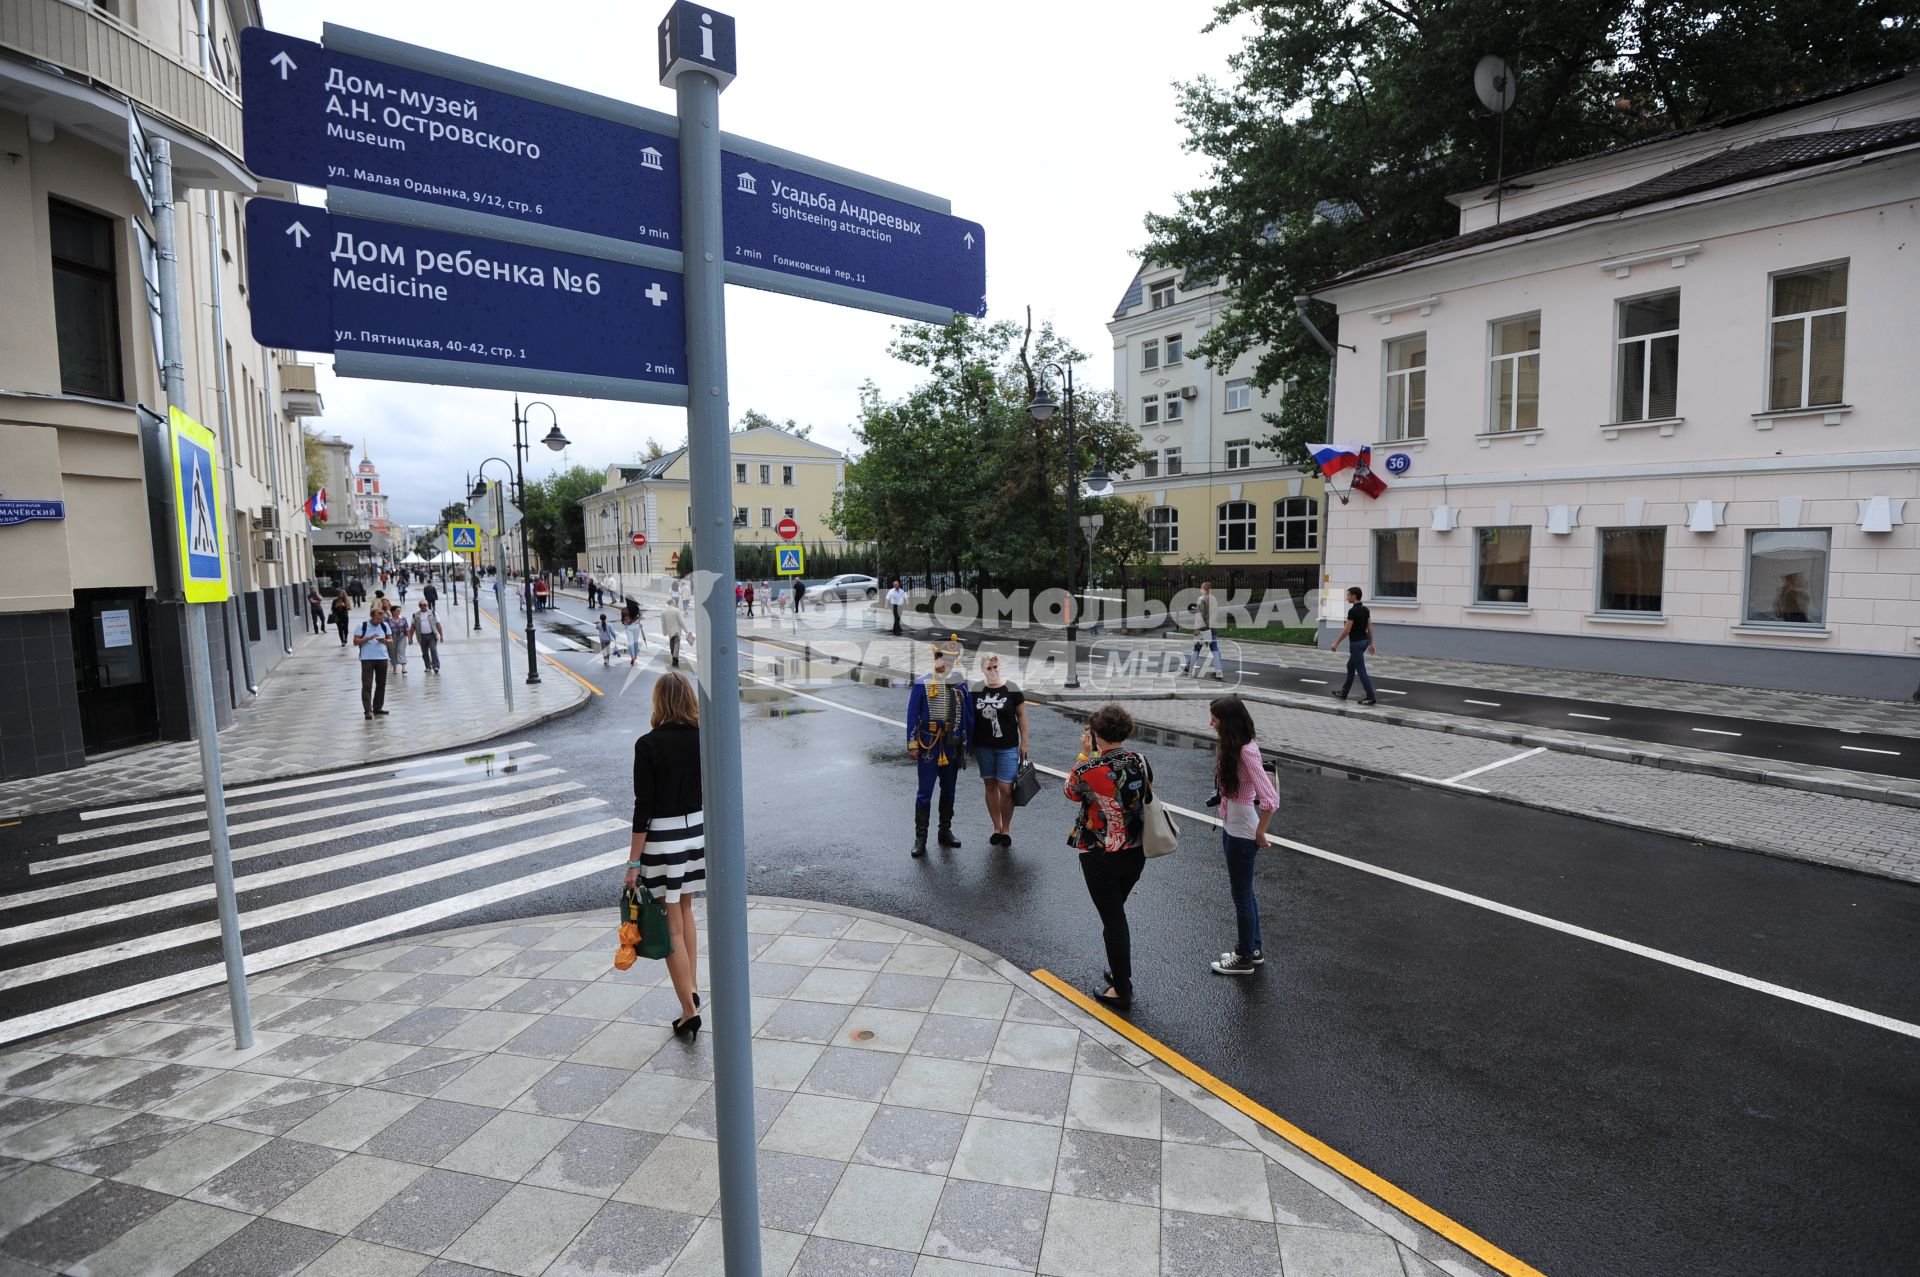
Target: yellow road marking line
(556, 664)
(1398, 1198)
(8, 824)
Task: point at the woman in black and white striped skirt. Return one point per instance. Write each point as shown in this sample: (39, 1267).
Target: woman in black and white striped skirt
(669, 838)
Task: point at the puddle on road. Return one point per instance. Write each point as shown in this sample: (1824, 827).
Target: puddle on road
(760, 701)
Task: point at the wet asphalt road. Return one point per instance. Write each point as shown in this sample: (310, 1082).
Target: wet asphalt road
(1587, 1109)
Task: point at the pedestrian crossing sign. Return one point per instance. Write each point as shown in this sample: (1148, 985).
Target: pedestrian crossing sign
(466, 536)
(789, 560)
(196, 505)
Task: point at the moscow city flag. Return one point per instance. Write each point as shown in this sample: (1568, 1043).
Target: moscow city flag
(1334, 460)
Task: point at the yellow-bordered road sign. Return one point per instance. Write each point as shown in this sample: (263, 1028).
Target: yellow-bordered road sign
(466, 536)
(789, 560)
(196, 505)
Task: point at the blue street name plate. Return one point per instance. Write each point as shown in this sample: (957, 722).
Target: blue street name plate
(328, 119)
(15, 512)
(327, 283)
(796, 224)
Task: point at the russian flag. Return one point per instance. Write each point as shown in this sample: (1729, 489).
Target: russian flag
(316, 507)
(1332, 461)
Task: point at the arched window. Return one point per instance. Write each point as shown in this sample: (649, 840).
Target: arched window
(1234, 531)
(1163, 530)
(1296, 524)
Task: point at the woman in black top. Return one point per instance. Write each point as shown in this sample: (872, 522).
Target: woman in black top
(669, 838)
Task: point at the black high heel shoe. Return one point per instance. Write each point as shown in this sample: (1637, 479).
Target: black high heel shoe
(688, 1029)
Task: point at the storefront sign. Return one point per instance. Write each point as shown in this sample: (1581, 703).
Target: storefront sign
(12, 512)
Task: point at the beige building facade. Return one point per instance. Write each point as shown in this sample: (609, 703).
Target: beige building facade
(97, 662)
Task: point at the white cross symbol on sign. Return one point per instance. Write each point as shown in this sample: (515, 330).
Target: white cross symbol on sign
(656, 294)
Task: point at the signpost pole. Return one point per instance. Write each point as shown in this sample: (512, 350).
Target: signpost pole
(698, 96)
(199, 656)
(499, 589)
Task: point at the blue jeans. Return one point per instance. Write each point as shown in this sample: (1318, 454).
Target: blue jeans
(1357, 664)
(1212, 640)
(1246, 906)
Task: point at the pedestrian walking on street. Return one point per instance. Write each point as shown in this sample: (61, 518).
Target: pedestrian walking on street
(1247, 803)
(799, 596)
(636, 632)
(402, 630)
(1358, 636)
(1205, 633)
(672, 624)
(316, 611)
(669, 841)
(606, 640)
(749, 598)
(427, 632)
(431, 595)
(372, 638)
(1111, 785)
(403, 589)
(939, 732)
(357, 591)
(999, 744)
(342, 613)
(593, 593)
(896, 599)
(739, 595)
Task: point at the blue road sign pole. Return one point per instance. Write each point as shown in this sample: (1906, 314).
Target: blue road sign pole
(199, 655)
(698, 95)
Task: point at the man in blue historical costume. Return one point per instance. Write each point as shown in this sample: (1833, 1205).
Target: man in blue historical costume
(939, 733)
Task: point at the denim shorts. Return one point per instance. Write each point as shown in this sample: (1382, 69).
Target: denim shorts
(998, 764)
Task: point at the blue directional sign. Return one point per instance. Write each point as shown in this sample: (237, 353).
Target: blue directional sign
(328, 283)
(796, 224)
(325, 118)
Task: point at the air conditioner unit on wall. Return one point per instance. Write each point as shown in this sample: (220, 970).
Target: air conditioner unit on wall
(270, 550)
(269, 518)
(1189, 392)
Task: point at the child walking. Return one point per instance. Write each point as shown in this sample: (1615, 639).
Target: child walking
(606, 641)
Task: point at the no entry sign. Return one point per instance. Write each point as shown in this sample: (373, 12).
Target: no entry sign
(787, 529)
(639, 539)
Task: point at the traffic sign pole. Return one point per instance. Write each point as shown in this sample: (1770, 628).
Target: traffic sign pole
(199, 655)
(687, 31)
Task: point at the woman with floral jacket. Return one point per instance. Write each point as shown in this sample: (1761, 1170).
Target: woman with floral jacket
(1111, 784)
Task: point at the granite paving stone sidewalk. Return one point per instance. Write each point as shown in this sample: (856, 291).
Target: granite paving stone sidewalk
(307, 719)
(925, 1110)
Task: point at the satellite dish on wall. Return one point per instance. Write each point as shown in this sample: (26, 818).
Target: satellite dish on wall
(1493, 83)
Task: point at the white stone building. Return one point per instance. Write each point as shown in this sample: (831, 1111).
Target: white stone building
(1663, 417)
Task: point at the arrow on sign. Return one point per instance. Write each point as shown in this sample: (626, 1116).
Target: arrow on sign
(969, 241)
(284, 62)
(300, 234)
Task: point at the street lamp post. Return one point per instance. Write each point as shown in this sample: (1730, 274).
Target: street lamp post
(1098, 485)
(556, 441)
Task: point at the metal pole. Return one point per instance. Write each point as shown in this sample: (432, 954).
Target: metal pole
(296, 606)
(526, 563)
(499, 592)
(199, 657)
(698, 96)
(235, 552)
(1073, 523)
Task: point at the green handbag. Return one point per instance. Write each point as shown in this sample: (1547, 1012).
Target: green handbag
(641, 908)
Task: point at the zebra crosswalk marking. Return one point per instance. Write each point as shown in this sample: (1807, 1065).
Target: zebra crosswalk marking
(411, 815)
(303, 782)
(270, 877)
(155, 942)
(285, 800)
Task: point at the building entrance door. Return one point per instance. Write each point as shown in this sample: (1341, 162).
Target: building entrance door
(115, 672)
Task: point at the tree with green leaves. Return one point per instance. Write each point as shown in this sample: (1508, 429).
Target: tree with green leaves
(555, 523)
(957, 476)
(1345, 126)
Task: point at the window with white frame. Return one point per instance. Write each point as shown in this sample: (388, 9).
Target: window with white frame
(1163, 530)
(1513, 397)
(1807, 353)
(1632, 562)
(1173, 406)
(1787, 576)
(766, 474)
(1239, 454)
(786, 476)
(1150, 354)
(1176, 347)
(787, 513)
(766, 516)
(1405, 394)
(1160, 295)
(1296, 524)
(1647, 358)
(1234, 530)
(739, 516)
(739, 472)
(1150, 466)
(1150, 410)
(1506, 555)
(1171, 459)
(1396, 564)
(1239, 395)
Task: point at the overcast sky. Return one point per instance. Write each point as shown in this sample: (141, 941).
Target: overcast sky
(1051, 122)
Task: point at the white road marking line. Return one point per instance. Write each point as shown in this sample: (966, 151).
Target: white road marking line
(156, 942)
(1450, 784)
(1489, 704)
(400, 847)
(287, 800)
(1813, 1001)
(1714, 731)
(1388, 691)
(1538, 749)
(1323, 682)
(302, 782)
(403, 816)
(272, 877)
(1598, 718)
(1862, 749)
(300, 950)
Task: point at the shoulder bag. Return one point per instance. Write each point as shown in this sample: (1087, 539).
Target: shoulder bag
(1159, 835)
(1026, 783)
